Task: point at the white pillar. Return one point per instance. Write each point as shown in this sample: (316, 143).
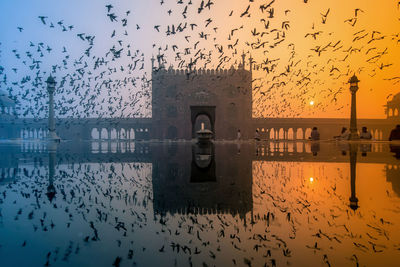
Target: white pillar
(51, 84)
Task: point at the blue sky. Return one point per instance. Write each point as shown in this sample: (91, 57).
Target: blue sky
(221, 33)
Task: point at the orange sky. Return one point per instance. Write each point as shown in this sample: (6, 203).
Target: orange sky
(288, 93)
(292, 69)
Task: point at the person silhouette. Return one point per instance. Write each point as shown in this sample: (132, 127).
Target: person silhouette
(395, 133)
(344, 135)
(314, 134)
(239, 135)
(365, 134)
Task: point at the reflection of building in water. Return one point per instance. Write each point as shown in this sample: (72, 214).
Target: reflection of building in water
(203, 164)
(393, 170)
(197, 180)
(8, 164)
(393, 177)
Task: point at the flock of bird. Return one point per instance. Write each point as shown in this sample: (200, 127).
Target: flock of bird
(110, 207)
(116, 83)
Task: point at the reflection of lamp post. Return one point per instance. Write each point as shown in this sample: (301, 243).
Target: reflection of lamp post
(51, 190)
(51, 87)
(353, 117)
(353, 161)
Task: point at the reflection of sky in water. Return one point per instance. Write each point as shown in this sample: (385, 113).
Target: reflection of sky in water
(167, 213)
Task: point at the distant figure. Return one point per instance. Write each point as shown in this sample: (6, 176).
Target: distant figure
(365, 134)
(239, 135)
(257, 135)
(344, 135)
(395, 133)
(314, 134)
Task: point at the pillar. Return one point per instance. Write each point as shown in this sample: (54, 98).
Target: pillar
(353, 116)
(51, 84)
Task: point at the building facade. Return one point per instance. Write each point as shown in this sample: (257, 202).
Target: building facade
(183, 99)
(393, 107)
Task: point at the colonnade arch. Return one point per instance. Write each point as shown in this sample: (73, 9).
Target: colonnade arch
(120, 133)
(393, 112)
(284, 133)
(303, 133)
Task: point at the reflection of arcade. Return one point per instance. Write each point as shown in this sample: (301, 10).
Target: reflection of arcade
(393, 171)
(202, 180)
(8, 164)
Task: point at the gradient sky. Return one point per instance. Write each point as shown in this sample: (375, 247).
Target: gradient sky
(292, 68)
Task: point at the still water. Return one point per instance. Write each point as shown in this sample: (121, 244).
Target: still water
(181, 204)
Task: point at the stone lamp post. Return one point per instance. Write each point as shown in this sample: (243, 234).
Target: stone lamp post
(51, 87)
(353, 117)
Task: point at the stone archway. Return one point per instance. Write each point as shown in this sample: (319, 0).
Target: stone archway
(208, 111)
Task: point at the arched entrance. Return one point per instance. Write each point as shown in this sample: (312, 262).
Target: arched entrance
(202, 119)
(208, 111)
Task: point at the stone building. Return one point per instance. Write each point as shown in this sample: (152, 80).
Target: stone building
(393, 107)
(183, 99)
(7, 116)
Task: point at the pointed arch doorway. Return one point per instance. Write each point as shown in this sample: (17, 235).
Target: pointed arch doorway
(208, 111)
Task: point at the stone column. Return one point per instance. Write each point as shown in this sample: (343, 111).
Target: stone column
(51, 87)
(108, 140)
(353, 117)
(109, 134)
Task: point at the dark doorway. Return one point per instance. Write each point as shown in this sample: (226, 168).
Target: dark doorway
(208, 112)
